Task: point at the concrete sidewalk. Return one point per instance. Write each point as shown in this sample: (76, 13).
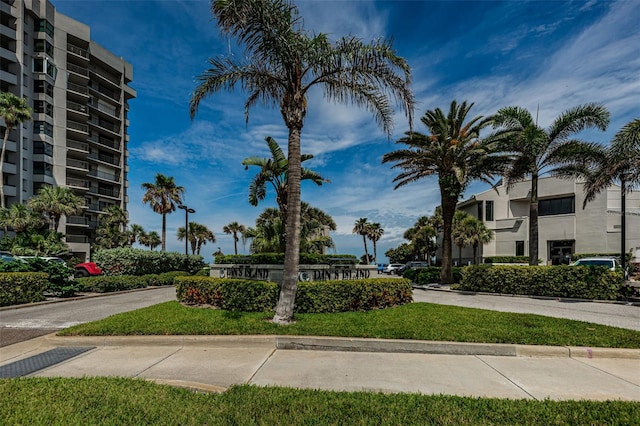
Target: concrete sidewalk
(213, 363)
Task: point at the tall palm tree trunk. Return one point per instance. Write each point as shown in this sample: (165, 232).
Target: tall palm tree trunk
(533, 221)
(284, 309)
(235, 242)
(164, 232)
(4, 148)
(366, 252)
(448, 209)
(375, 252)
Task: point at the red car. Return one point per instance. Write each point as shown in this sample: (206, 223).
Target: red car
(86, 269)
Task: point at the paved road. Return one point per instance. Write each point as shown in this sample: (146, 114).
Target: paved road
(613, 314)
(27, 322)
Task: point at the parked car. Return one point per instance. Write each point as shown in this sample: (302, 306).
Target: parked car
(47, 258)
(610, 262)
(414, 264)
(381, 267)
(86, 269)
(390, 268)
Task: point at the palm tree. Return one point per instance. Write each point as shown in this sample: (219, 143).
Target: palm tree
(281, 65)
(20, 218)
(14, 110)
(274, 170)
(361, 227)
(135, 232)
(602, 167)
(422, 236)
(314, 230)
(112, 231)
(203, 234)
(480, 234)
(55, 202)
(454, 152)
(163, 196)
(537, 150)
(461, 232)
(235, 228)
(374, 233)
(193, 228)
(151, 240)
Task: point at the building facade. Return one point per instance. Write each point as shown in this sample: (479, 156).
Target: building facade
(80, 97)
(564, 227)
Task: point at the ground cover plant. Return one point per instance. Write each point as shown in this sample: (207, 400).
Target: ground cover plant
(418, 321)
(123, 401)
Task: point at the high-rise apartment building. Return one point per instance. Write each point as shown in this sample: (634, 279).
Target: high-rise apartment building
(80, 93)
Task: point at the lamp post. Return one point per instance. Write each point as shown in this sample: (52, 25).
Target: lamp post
(187, 210)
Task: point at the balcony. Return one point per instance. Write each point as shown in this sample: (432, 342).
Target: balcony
(81, 221)
(77, 51)
(112, 94)
(78, 127)
(77, 238)
(79, 165)
(78, 146)
(76, 88)
(78, 184)
(111, 111)
(112, 177)
(105, 159)
(74, 106)
(104, 76)
(83, 72)
(107, 192)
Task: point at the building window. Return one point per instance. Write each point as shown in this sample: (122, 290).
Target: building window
(564, 205)
(45, 26)
(42, 168)
(488, 211)
(41, 86)
(40, 147)
(44, 65)
(42, 127)
(519, 248)
(43, 107)
(43, 46)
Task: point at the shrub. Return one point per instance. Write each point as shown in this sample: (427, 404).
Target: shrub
(314, 296)
(111, 283)
(130, 261)
(430, 275)
(278, 259)
(59, 275)
(507, 259)
(22, 287)
(552, 281)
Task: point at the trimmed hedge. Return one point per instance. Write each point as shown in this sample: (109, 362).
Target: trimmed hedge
(507, 259)
(130, 261)
(583, 282)
(278, 259)
(107, 284)
(312, 296)
(22, 287)
(430, 275)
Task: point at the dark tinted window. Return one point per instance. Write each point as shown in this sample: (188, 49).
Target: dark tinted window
(565, 205)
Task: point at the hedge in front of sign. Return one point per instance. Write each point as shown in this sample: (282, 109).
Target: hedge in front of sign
(582, 282)
(312, 296)
(22, 287)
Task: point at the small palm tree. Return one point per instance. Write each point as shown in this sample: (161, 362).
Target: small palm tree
(193, 228)
(374, 233)
(151, 240)
(361, 227)
(235, 228)
(422, 236)
(537, 150)
(275, 170)
(20, 218)
(14, 110)
(461, 232)
(203, 234)
(163, 196)
(281, 66)
(454, 152)
(135, 232)
(55, 202)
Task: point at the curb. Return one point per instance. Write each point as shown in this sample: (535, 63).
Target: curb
(344, 344)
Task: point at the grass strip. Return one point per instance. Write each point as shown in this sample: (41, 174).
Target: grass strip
(418, 321)
(121, 401)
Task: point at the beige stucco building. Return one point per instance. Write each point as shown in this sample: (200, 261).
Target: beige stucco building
(564, 227)
(80, 94)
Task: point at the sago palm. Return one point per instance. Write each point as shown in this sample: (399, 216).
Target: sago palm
(281, 65)
(537, 150)
(453, 152)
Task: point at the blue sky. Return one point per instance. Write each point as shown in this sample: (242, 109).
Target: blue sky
(555, 55)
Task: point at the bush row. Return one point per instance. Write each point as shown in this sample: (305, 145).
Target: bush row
(430, 275)
(130, 261)
(278, 259)
(107, 284)
(59, 275)
(22, 287)
(507, 259)
(313, 296)
(582, 282)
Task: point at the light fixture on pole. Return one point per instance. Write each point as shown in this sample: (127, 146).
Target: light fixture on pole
(187, 210)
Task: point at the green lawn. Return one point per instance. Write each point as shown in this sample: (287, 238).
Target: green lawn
(119, 401)
(419, 321)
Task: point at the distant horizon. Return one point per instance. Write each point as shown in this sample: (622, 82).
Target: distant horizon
(546, 54)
